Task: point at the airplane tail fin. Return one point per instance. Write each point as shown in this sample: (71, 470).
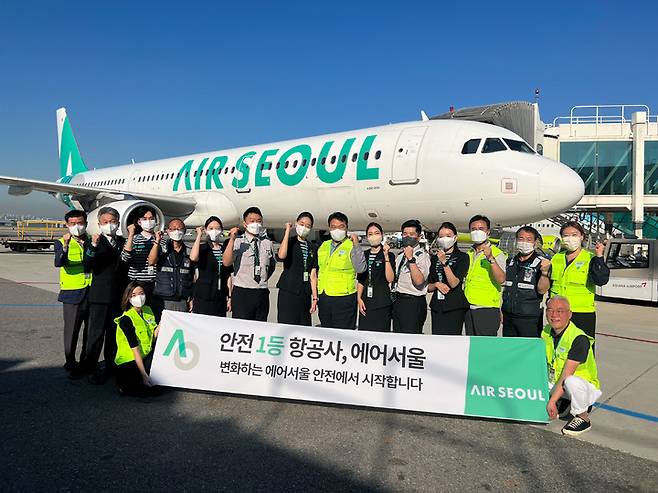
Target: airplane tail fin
(70, 160)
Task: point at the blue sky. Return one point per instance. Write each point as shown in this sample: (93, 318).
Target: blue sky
(149, 80)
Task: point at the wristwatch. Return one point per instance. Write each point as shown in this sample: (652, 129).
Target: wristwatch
(412, 260)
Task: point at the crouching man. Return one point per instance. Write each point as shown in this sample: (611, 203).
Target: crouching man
(572, 373)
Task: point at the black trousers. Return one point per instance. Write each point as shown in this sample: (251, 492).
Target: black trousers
(338, 312)
(585, 322)
(376, 319)
(293, 308)
(409, 314)
(101, 335)
(250, 304)
(130, 382)
(450, 323)
(482, 322)
(207, 307)
(522, 325)
(74, 316)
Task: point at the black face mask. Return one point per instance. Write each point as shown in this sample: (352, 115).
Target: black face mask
(409, 241)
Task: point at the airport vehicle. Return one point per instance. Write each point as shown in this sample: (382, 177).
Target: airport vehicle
(432, 170)
(633, 270)
(34, 234)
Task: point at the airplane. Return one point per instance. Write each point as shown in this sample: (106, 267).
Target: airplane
(430, 170)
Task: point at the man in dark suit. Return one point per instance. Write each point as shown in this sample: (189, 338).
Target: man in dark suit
(109, 279)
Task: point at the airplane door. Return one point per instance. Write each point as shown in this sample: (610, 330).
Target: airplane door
(405, 159)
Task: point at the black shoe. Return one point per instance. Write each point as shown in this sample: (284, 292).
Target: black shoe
(77, 373)
(576, 426)
(564, 409)
(70, 365)
(99, 377)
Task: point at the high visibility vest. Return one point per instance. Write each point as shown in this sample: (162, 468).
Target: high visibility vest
(480, 286)
(336, 274)
(557, 356)
(72, 275)
(572, 281)
(144, 327)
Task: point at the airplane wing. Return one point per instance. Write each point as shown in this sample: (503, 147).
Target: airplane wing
(171, 206)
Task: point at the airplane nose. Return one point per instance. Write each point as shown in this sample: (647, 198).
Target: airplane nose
(560, 188)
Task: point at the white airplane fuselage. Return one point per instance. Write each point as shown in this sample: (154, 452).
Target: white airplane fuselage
(385, 174)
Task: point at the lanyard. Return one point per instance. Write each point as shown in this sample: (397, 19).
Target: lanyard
(304, 246)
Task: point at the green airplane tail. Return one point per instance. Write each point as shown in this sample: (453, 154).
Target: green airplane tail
(70, 160)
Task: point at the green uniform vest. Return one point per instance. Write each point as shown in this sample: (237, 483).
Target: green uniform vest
(336, 274)
(480, 286)
(144, 328)
(557, 357)
(572, 281)
(72, 275)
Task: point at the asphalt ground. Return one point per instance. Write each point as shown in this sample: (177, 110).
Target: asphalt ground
(63, 435)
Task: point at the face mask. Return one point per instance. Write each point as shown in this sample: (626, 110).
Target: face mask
(214, 234)
(375, 240)
(571, 243)
(525, 247)
(446, 242)
(147, 224)
(108, 229)
(478, 236)
(409, 241)
(77, 230)
(302, 231)
(338, 234)
(254, 228)
(138, 301)
(176, 234)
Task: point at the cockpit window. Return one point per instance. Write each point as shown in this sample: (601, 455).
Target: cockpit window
(471, 146)
(493, 145)
(519, 146)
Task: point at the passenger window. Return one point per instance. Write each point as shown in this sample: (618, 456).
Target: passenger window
(354, 157)
(471, 146)
(313, 162)
(519, 146)
(343, 158)
(493, 145)
(333, 159)
(366, 155)
(378, 154)
(324, 160)
(628, 256)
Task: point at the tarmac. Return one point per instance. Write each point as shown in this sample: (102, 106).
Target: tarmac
(68, 435)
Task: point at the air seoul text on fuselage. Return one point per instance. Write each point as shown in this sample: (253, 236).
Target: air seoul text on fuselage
(206, 174)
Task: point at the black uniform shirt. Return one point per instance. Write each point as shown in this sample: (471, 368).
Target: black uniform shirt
(455, 299)
(292, 277)
(579, 347)
(375, 276)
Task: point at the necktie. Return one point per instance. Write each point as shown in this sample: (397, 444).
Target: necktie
(254, 246)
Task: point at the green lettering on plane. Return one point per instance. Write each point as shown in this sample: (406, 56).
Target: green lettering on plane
(290, 175)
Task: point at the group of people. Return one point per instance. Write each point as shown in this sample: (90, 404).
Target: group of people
(118, 288)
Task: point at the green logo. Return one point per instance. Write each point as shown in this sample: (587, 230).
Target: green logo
(187, 355)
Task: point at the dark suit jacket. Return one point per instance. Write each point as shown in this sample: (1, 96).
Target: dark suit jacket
(109, 274)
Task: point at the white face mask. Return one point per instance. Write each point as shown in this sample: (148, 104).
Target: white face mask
(446, 242)
(214, 234)
(375, 240)
(525, 247)
(108, 229)
(77, 230)
(302, 231)
(338, 234)
(572, 243)
(176, 234)
(138, 301)
(147, 224)
(254, 228)
(478, 236)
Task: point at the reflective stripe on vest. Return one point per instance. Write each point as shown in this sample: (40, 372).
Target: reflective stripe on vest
(144, 328)
(72, 275)
(557, 356)
(480, 287)
(336, 274)
(572, 281)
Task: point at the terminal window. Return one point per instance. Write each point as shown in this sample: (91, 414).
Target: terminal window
(628, 256)
(606, 167)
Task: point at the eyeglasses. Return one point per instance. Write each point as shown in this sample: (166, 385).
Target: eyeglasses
(558, 311)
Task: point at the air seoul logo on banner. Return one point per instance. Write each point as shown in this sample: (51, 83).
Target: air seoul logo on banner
(185, 353)
(206, 174)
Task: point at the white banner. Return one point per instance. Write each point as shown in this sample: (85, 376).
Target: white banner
(395, 371)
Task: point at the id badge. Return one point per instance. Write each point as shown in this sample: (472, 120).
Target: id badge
(369, 292)
(305, 276)
(440, 295)
(257, 270)
(87, 275)
(150, 270)
(551, 375)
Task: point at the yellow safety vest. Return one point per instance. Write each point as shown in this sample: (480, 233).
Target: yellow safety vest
(336, 274)
(557, 356)
(72, 275)
(572, 281)
(144, 327)
(480, 286)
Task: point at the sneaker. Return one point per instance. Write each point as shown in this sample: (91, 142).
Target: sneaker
(564, 409)
(576, 426)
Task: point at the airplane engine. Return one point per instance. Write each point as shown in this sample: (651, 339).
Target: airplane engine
(127, 212)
